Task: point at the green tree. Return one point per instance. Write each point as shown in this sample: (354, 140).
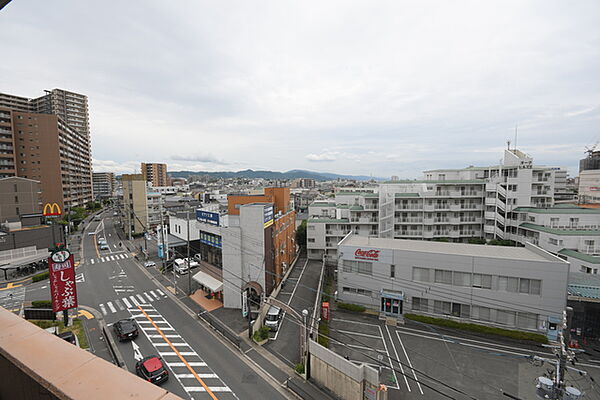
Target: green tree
(301, 235)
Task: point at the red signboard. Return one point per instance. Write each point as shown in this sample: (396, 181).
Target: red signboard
(325, 311)
(370, 255)
(62, 284)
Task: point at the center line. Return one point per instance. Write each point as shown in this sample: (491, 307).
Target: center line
(189, 367)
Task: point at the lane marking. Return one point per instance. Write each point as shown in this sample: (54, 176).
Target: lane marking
(358, 334)
(354, 322)
(139, 296)
(112, 308)
(154, 294)
(180, 364)
(92, 260)
(392, 365)
(119, 304)
(86, 314)
(210, 389)
(126, 302)
(149, 297)
(158, 336)
(161, 293)
(409, 362)
(206, 376)
(103, 309)
(180, 355)
(134, 300)
(149, 328)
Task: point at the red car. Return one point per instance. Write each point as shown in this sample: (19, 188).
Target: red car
(152, 369)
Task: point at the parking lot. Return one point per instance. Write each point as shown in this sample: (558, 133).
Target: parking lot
(427, 360)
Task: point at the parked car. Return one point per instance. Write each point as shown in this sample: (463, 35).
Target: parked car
(126, 329)
(97, 218)
(104, 247)
(101, 240)
(149, 264)
(180, 266)
(273, 318)
(193, 263)
(68, 336)
(152, 369)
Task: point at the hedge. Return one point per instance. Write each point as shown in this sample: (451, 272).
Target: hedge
(351, 307)
(323, 338)
(41, 304)
(490, 330)
(261, 334)
(40, 276)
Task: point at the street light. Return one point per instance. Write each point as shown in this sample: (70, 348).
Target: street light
(305, 342)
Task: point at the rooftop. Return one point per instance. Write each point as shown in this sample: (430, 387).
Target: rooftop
(562, 232)
(580, 256)
(584, 285)
(559, 209)
(459, 249)
(442, 182)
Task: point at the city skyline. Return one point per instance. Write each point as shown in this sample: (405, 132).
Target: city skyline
(358, 90)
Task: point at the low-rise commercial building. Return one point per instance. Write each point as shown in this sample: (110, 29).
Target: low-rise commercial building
(513, 287)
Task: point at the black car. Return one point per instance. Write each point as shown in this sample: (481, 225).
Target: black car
(68, 336)
(126, 329)
(152, 369)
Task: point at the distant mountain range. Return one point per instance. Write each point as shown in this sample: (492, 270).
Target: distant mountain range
(251, 174)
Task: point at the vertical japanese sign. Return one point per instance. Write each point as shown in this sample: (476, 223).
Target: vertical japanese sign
(62, 281)
(325, 311)
(245, 303)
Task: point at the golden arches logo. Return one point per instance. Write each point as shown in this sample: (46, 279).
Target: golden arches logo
(51, 209)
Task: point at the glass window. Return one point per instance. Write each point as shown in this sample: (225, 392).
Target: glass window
(461, 279)
(420, 304)
(349, 266)
(365, 268)
(443, 276)
(481, 313)
(524, 286)
(392, 271)
(535, 286)
(421, 274)
(441, 307)
(526, 320)
(482, 281)
(505, 317)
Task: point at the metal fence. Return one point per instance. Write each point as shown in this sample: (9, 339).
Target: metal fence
(221, 328)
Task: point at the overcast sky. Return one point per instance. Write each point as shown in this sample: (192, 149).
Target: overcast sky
(370, 87)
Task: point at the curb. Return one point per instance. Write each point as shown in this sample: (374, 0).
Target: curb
(112, 347)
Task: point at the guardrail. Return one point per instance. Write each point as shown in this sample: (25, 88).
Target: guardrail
(221, 328)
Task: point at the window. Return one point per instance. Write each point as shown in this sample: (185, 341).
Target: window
(392, 271)
(461, 279)
(365, 268)
(483, 281)
(420, 304)
(443, 276)
(311, 240)
(442, 307)
(505, 317)
(481, 313)
(461, 310)
(421, 274)
(526, 320)
(508, 284)
(359, 291)
(349, 266)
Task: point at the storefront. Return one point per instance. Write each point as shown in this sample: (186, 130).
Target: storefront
(391, 303)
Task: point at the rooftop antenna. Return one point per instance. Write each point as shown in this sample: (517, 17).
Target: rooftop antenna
(516, 127)
(508, 144)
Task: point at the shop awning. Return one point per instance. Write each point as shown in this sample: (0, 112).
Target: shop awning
(208, 281)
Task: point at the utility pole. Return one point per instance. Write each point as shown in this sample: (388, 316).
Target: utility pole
(162, 238)
(188, 254)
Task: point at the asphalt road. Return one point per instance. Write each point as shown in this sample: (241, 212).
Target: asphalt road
(114, 283)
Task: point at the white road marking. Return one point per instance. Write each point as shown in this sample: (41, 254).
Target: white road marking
(154, 294)
(139, 296)
(206, 376)
(126, 255)
(119, 304)
(396, 354)
(148, 297)
(392, 365)
(123, 256)
(354, 322)
(151, 328)
(212, 389)
(103, 309)
(102, 259)
(92, 260)
(126, 302)
(358, 334)
(409, 362)
(112, 308)
(167, 336)
(161, 293)
(172, 353)
(134, 300)
(180, 364)
(168, 345)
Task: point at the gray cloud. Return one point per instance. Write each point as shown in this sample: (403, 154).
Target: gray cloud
(397, 87)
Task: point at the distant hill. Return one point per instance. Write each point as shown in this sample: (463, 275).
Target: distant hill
(251, 174)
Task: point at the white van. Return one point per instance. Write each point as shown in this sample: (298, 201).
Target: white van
(180, 266)
(273, 318)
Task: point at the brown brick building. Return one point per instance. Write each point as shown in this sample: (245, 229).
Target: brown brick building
(155, 173)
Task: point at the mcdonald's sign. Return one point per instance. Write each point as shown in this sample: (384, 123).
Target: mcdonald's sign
(51, 209)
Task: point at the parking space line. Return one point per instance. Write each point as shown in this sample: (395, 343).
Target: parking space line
(392, 365)
(397, 357)
(296, 287)
(409, 362)
(362, 347)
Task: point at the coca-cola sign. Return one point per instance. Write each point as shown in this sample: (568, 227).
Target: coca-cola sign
(370, 255)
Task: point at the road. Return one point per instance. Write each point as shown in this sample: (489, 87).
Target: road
(200, 364)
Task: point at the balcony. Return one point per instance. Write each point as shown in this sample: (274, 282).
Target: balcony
(488, 228)
(471, 193)
(414, 220)
(441, 233)
(409, 233)
(441, 207)
(444, 219)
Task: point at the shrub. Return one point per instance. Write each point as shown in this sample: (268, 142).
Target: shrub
(40, 277)
(490, 330)
(261, 334)
(351, 307)
(41, 304)
(299, 368)
(323, 338)
(477, 240)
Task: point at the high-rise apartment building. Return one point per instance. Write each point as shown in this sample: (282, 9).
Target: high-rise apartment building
(43, 147)
(155, 173)
(135, 203)
(104, 184)
(449, 204)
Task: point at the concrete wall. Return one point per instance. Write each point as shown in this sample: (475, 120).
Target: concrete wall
(41, 237)
(232, 267)
(342, 377)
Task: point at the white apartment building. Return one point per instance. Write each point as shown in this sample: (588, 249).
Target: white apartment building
(589, 186)
(496, 202)
(523, 287)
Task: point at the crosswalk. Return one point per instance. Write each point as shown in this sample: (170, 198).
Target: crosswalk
(13, 299)
(127, 302)
(185, 364)
(112, 257)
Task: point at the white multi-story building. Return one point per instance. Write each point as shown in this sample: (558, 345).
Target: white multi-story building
(523, 287)
(496, 202)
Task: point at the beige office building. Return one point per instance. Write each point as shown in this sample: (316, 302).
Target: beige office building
(135, 206)
(155, 173)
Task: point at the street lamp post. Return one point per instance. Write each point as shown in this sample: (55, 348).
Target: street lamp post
(188, 254)
(305, 340)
